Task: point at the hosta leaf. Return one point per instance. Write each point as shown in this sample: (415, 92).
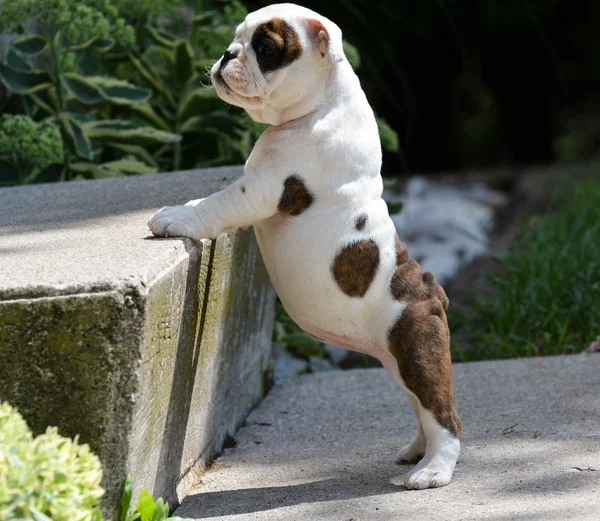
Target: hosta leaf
(119, 91)
(145, 505)
(94, 171)
(134, 150)
(30, 45)
(82, 89)
(127, 166)
(16, 61)
(24, 82)
(146, 111)
(203, 19)
(145, 70)
(161, 36)
(184, 62)
(219, 121)
(41, 101)
(199, 102)
(75, 135)
(136, 136)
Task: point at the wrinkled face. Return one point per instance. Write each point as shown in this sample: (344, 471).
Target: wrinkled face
(279, 56)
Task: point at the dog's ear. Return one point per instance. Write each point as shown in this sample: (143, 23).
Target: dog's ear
(327, 38)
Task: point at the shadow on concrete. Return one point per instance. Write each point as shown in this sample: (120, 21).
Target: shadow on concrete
(184, 378)
(251, 500)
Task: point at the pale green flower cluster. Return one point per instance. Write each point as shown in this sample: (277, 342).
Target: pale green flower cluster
(79, 20)
(29, 144)
(48, 478)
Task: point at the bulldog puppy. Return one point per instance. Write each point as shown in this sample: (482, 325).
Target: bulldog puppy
(312, 189)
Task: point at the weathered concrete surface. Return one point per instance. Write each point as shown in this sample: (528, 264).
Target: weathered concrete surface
(152, 350)
(322, 447)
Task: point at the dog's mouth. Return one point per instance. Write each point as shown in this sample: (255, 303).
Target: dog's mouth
(246, 100)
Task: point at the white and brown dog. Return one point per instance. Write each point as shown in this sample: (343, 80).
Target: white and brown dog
(312, 189)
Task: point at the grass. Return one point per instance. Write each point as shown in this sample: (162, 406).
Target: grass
(546, 300)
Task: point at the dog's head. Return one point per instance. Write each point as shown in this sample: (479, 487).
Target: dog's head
(280, 57)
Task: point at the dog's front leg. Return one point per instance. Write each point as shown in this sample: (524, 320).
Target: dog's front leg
(248, 200)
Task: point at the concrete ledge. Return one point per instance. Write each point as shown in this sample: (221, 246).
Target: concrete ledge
(322, 447)
(152, 350)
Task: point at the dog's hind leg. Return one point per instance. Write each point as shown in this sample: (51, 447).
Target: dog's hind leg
(419, 342)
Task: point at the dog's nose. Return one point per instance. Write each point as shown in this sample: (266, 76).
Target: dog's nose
(228, 55)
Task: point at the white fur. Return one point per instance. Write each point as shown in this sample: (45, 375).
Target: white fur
(323, 130)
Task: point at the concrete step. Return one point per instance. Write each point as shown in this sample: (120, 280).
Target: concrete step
(322, 447)
(152, 350)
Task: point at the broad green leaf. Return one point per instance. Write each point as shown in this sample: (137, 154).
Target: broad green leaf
(75, 135)
(16, 61)
(199, 102)
(119, 91)
(219, 121)
(77, 46)
(203, 19)
(145, 505)
(145, 70)
(136, 136)
(127, 166)
(42, 103)
(184, 62)
(82, 89)
(109, 125)
(146, 111)
(162, 510)
(24, 82)
(304, 343)
(30, 45)
(134, 150)
(94, 171)
(126, 497)
(160, 36)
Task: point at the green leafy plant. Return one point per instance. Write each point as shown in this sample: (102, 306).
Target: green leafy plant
(124, 91)
(27, 148)
(146, 508)
(547, 296)
(171, 60)
(47, 478)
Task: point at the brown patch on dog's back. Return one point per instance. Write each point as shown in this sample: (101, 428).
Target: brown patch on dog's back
(296, 198)
(355, 266)
(420, 339)
(361, 221)
(281, 36)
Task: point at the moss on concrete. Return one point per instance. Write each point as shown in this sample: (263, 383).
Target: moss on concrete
(71, 362)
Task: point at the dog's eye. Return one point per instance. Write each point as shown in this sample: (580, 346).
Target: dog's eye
(265, 50)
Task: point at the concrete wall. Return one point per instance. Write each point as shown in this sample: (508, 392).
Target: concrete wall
(152, 350)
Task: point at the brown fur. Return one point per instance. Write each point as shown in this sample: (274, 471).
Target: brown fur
(295, 198)
(355, 266)
(420, 340)
(361, 221)
(279, 34)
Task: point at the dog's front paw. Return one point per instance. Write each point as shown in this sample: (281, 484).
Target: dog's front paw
(428, 475)
(176, 221)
